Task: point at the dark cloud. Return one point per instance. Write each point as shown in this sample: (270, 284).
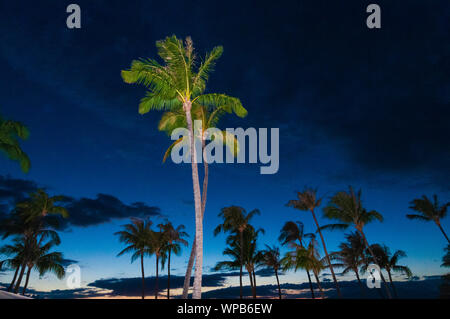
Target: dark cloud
(103, 209)
(13, 190)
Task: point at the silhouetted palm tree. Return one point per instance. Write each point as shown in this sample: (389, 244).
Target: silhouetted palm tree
(271, 258)
(347, 208)
(351, 255)
(235, 220)
(179, 85)
(137, 236)
(292, 232)
(10, 133)
(429, 211)
(389, 262)
(308, 201)
(174, 239)
(158, 246)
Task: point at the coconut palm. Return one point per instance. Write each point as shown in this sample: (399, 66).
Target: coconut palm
(429, 210)
(347, 208)
(351, 256)
(389, 262)
(271, 258)
(304, 258)
(446, 258)
(246, 255)
(10, 133)
(308, 201)
(174, 239)
(158, 245)
(136, 236)
(235, 220)
(178, 85)
(209, 119)
(290, 233)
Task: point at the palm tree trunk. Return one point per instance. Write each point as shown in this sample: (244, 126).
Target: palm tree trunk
(168, 276)
(375, 260)
(318, 284)
(392, 283)
(310, 284)
(278, 283)
(326, 254)
(156, 281)
(19, 280)
(251, 280)
(14, 279)
(254, 284)
(197, 290)
(443, 232)
(241, 257)
(190, 265)
(359, 281)
(27, 279)
(143, 276)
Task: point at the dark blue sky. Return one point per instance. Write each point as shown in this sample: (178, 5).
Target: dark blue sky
(354, 106)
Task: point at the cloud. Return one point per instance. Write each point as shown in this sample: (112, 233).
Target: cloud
(103, 209)
(13, 190)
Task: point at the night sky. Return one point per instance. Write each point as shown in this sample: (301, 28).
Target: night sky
(355, 106)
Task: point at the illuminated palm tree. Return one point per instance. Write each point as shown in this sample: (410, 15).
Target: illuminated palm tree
(136, 236)
(174, 239)
(10, 133)
(347, 208)
(235, 220)
(178, 85)
(290, 233)
(429, 211)
(308, 201)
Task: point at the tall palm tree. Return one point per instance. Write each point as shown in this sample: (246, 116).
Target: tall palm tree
(271, 258)
(236, 220)
(429, 211)
(389, 262)
(308, 201)
(174, 239)
(347, 208)
(351, 256)
(209, 119)
(136, 236)
(290, 233)
(179, 85)
(10, 133)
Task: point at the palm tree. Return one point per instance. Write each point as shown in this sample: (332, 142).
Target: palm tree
(178, 85)
(174, 239)
(136, 236)
(429, 211)
(271, 258)
(209, 119)
(307, 200)
(291, 232)
(31, 219)
(10, 132)
(389, 262)
(158, 246)
(235, 220)
(351, 255)
(347, 208)
(243, 253)
(304, 258)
